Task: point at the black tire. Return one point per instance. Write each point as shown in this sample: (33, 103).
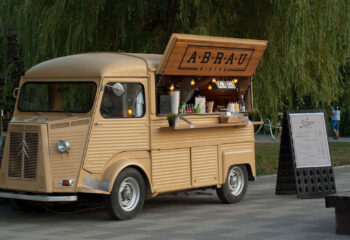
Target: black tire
(235, 186)
(129, 179)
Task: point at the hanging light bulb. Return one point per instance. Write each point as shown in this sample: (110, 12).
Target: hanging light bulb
(172, 87)
(129, 112)
(210, 87)
(235, 81)
(193, 82)
(213, 80)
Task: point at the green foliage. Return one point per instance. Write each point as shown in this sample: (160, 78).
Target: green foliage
(171, 116)
(344, 102)
(308, 40)
(267, 154)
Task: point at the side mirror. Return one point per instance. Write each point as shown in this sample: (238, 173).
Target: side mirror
(117, 89)
(15, 93)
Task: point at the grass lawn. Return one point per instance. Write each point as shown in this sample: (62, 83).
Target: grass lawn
(266, 156)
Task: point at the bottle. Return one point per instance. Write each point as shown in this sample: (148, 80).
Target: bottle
(180, 110)
(198, 110)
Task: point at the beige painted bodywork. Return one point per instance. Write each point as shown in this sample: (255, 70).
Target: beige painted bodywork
(169, 160)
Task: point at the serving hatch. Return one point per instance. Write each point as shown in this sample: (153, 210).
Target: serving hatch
(194, 55)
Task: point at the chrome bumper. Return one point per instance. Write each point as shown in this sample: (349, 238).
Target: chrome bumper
(38, 197)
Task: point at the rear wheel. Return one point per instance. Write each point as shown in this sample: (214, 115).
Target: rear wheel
(235, 186)
(127, 196)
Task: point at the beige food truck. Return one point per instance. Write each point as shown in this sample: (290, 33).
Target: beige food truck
(97, 123)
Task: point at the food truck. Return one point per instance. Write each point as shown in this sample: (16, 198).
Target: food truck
(97, 123)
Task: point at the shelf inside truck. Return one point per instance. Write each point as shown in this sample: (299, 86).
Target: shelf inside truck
(201, 126)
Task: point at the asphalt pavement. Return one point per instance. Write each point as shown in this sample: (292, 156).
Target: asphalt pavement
(261, 215)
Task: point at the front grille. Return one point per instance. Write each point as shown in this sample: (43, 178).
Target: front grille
(23, 155)
(30, 162)
(15, 159)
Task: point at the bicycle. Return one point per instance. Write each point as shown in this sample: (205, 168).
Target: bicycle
(270, 126)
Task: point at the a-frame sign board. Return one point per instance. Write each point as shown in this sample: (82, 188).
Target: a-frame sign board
(305, 166)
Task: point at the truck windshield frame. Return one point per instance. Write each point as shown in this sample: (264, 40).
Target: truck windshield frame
(58, 96)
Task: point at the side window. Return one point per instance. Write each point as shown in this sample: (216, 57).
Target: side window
(123, 100)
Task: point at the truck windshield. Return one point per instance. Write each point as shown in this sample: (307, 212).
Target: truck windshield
(73, 97)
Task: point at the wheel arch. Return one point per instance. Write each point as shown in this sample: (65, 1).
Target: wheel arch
(115, 167)
(148, 190)
(251, 177)
(250, 172)
(244, 157)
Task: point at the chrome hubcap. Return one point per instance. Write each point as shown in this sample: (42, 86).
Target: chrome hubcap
(236, 180)
(129, 194)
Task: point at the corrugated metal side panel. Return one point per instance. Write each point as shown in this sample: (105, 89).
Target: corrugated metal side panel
(242, 146)
(67, 165)
(113, 136)
(198, 137)
(204, 162)
(171, 169)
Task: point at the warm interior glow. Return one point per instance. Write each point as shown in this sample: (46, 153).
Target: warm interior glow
(172, 87)
(213, 80)
(129, 112)
(210, 87)
(193, 82)
(235, 81)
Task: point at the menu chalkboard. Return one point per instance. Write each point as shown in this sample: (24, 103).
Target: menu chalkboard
(304, 165)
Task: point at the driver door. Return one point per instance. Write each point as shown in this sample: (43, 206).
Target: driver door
(121, 121)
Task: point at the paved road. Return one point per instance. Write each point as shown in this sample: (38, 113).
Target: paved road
(261, 215)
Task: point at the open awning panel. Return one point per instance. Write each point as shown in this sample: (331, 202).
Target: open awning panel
(211, 56)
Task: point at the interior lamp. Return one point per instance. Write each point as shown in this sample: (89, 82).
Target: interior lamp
(210, 87)
(193, 82)
(172, 87)
(213, 80)
(235, 81)
(129, 112)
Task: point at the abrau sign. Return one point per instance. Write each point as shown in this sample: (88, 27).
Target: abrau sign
(215, 58)
(202, 57)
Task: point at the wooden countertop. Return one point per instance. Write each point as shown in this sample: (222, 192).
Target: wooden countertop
(202, 126)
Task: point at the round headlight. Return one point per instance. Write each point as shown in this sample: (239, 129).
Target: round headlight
(63, 145)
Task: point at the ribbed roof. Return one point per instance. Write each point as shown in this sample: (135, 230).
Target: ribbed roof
(96, 64)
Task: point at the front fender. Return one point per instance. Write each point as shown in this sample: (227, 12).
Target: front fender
(138, 159)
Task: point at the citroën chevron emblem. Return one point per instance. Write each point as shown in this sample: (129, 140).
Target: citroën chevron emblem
(23, 147)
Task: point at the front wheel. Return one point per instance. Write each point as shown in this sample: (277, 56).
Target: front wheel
(235, 186)
(127, 196)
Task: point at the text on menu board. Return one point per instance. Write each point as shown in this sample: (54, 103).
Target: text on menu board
(310, 141)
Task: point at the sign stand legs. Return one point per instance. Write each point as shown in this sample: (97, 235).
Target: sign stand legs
(285, 174)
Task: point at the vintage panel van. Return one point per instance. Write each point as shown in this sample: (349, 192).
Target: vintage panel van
(97, 123)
